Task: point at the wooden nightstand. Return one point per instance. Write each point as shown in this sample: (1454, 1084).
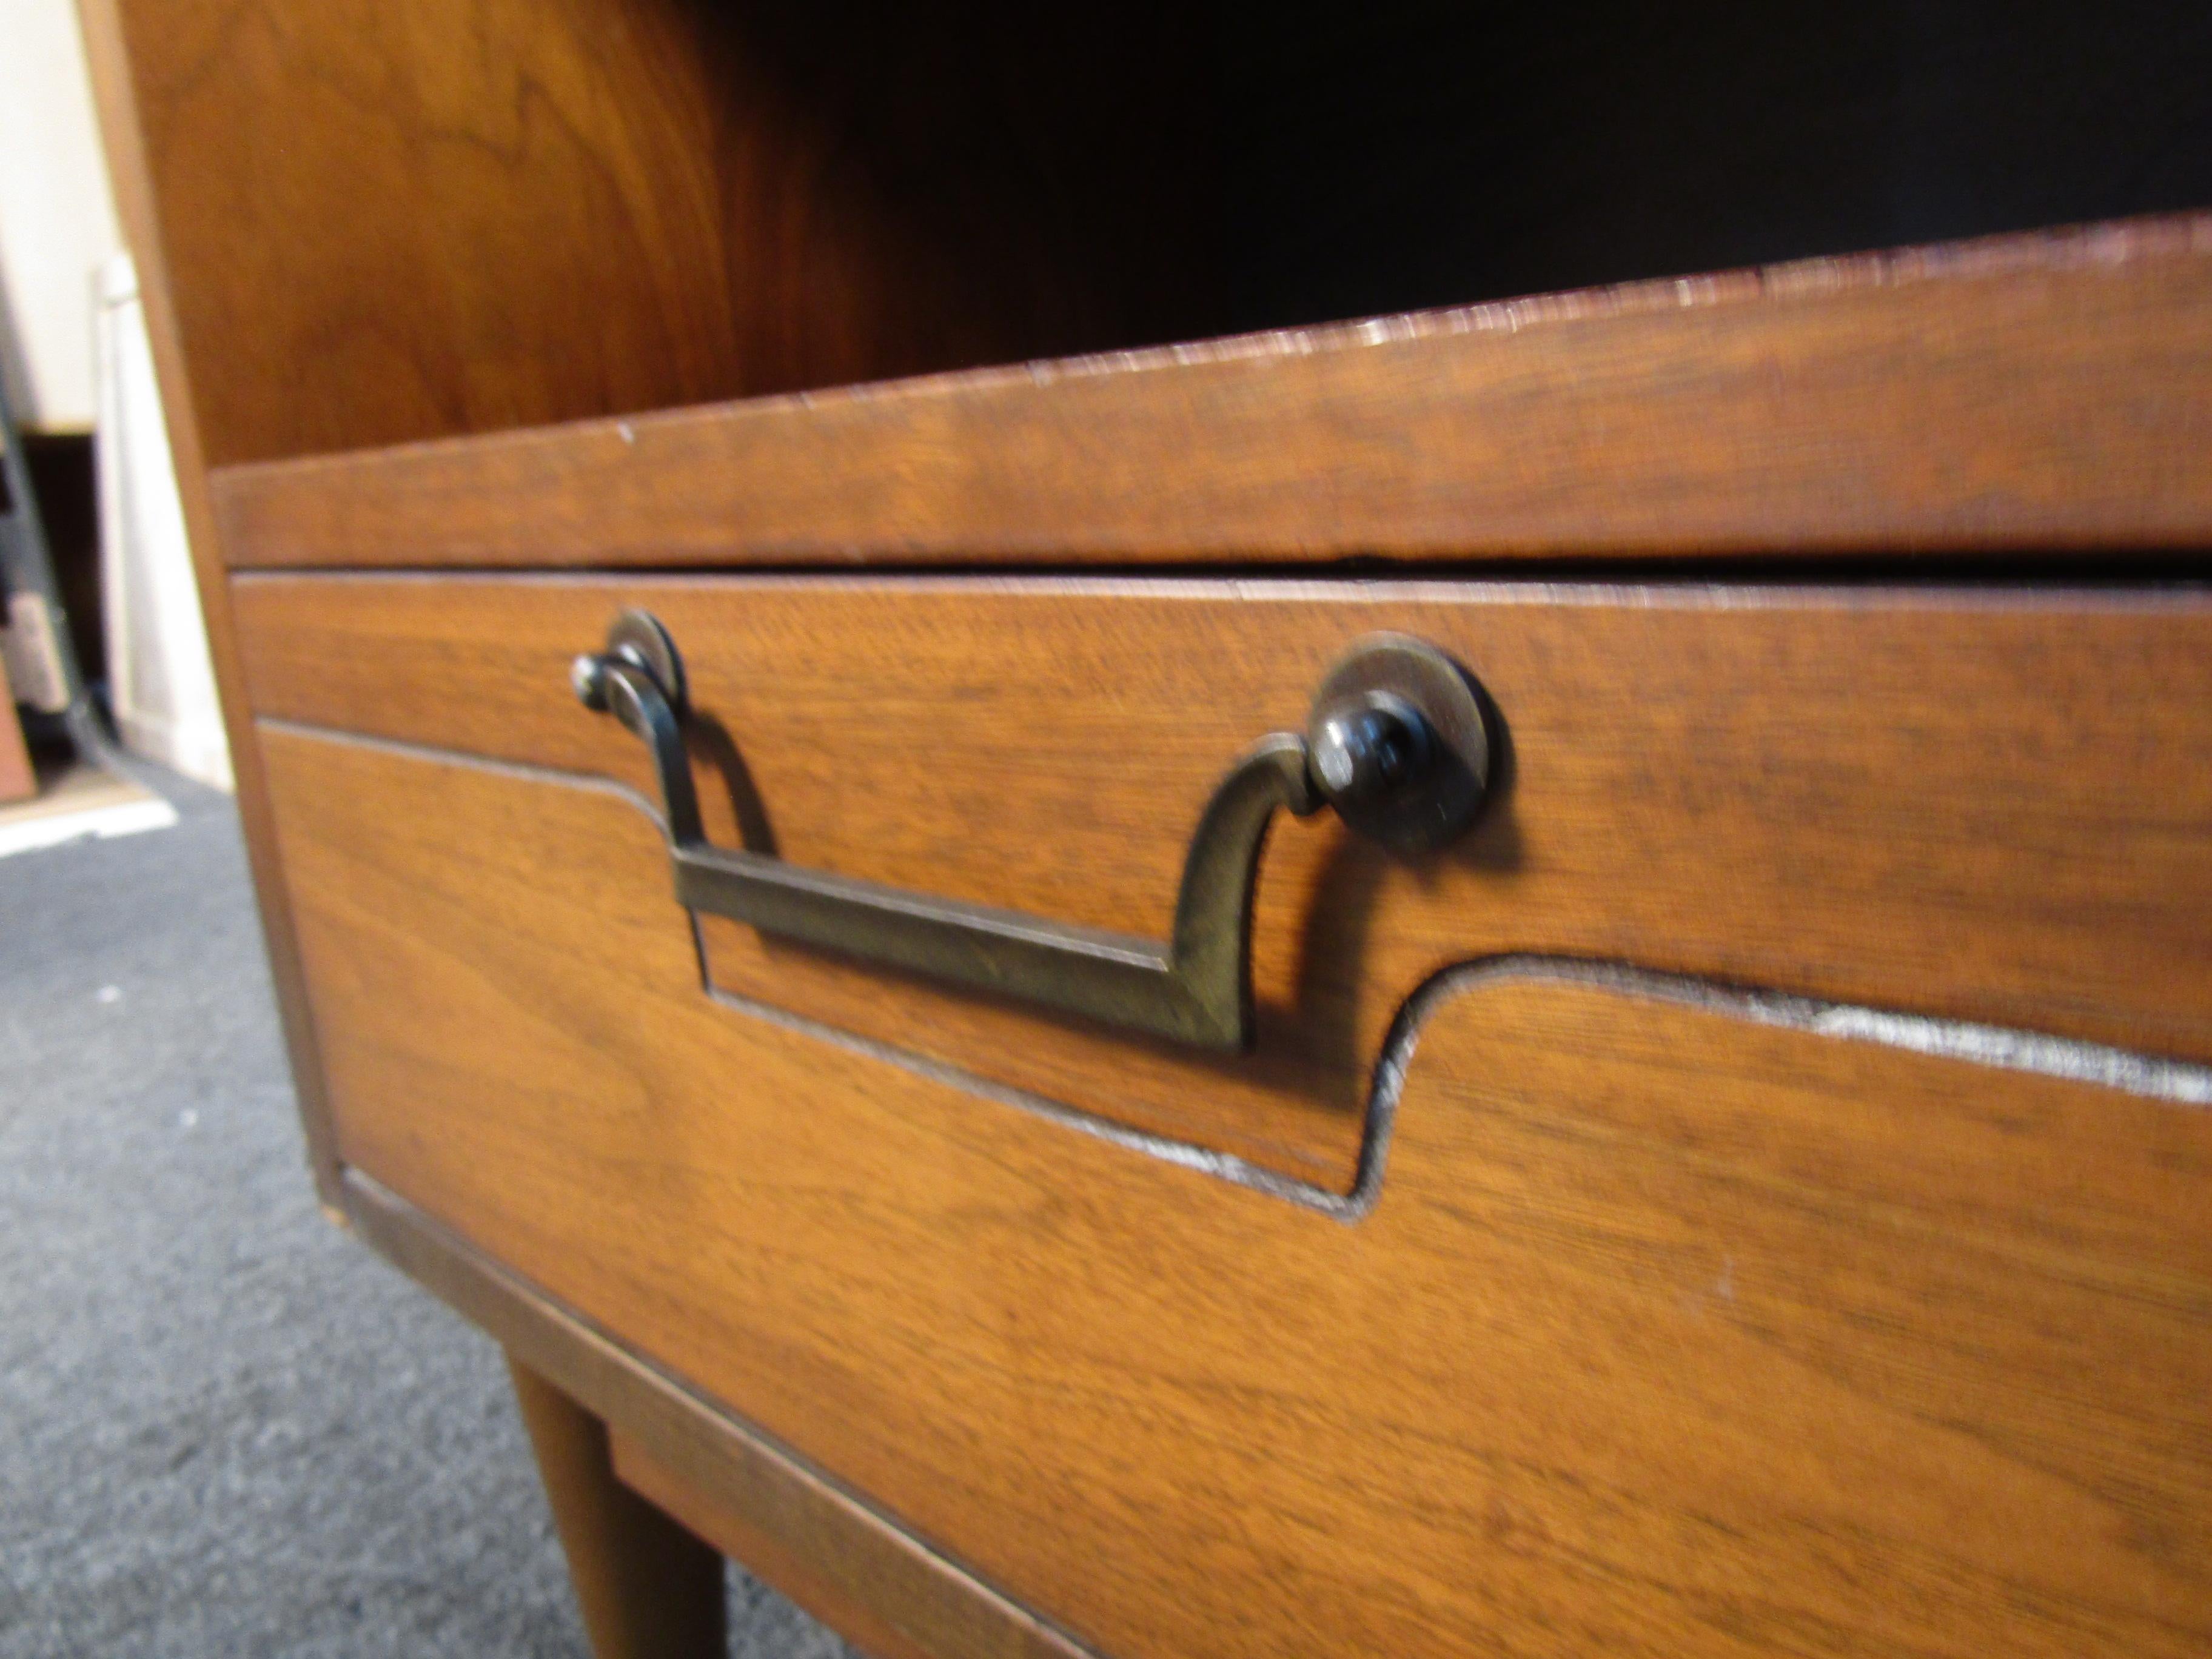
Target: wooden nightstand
(1535, 977)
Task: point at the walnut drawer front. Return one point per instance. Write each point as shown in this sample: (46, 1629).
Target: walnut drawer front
(1764, 1160)
(1989, 807)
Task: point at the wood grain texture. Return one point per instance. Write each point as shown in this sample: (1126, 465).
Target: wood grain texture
(648, 1589)
(408, 219)
(1989, 806)
(108, 56)
(850, 1547)
(1672, 1331)
(798, 1576)
(2048, 392)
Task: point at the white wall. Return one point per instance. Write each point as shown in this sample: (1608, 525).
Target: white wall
(160, 686)
(57, 217)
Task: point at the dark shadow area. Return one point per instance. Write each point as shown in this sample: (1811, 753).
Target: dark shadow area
(709, 744)
(750, 198)
(62, 477)
(1055, 180)
(1418, 154)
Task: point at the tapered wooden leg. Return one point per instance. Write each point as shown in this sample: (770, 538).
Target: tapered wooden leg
(647, 1587)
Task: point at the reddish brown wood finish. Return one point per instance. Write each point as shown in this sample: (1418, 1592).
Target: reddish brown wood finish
(806, 1579)
(1992, 806)
(875, 1569)
(648, 1589)
(111, 66)
(416, 218)
(1668, 1329)
(2033, 392)
(1671, 1330)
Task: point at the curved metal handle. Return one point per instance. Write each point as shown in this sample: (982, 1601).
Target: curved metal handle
(1397, 744)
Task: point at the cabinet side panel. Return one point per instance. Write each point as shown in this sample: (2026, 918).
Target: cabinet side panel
(108, 52)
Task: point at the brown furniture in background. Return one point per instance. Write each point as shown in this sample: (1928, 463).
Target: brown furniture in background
(17, 780)
(1745, 1194)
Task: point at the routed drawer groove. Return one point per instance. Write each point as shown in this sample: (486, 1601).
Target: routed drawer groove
(2151, 1076)
(1666, 1315)
(1908, 800)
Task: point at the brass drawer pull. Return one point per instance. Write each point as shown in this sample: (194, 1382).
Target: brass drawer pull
(1396, 742)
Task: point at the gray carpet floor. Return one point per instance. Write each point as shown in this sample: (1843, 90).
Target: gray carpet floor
(225, 1427)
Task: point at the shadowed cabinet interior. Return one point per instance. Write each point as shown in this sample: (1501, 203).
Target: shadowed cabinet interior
(1270, 951)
